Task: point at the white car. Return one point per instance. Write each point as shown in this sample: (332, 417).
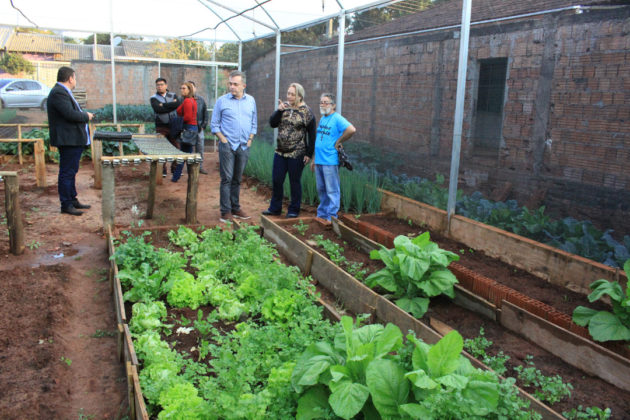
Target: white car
(23, 93)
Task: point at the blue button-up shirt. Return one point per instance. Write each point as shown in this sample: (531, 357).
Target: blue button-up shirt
(87, 129)
(235, 118)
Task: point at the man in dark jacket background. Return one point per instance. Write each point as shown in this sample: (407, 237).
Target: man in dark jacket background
(164, 104)
(202, 122)
(69, 132)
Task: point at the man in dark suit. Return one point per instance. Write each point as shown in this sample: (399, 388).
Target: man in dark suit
(70, 134)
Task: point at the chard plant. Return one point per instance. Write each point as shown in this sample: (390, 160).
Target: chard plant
(368, 371)
(415, 271)
(606, 325)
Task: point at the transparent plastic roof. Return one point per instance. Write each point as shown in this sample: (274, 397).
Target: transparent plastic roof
(233, 20)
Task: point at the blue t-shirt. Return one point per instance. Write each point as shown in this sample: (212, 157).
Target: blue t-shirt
(330, 128)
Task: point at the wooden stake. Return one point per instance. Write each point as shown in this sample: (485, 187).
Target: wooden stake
(191, 196)
(40, 163)
(97, 153)
(108, 197)
(131, 392)
(20, 145)
(153, 175)
(14, 212)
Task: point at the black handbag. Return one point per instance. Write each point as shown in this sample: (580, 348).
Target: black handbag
(189, 137)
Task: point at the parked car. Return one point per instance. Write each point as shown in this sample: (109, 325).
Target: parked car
(23, 93)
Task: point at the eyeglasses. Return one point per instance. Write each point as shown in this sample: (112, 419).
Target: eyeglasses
(324, 103)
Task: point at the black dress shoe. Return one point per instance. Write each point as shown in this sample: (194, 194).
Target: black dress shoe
(78, 205)
(203, 171)
(71, 210)
(271, 213)
(292, 215)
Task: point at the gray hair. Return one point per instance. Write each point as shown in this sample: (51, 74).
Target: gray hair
(235, 73)
(330, 96)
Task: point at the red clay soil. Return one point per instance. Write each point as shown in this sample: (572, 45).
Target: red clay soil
(69, 258)
(468, 324)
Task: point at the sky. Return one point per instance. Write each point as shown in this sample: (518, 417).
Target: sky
(192, 19)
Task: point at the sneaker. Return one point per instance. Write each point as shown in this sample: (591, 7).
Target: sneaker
(203, 171)
(240, 214)
(226, 217)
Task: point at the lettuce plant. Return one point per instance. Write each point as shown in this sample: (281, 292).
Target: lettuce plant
(605, 325)
(415, 270)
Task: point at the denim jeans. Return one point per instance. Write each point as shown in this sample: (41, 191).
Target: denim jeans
(327, 178)
(282, 165)
(199, 146)
(177, 172)
(69, 158)
(231, 166)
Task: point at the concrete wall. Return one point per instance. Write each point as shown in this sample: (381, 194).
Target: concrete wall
(566, 123)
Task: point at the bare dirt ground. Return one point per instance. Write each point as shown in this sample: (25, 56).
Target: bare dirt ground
(58, 350)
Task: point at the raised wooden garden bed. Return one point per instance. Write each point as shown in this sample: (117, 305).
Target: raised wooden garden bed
(355, 295)
(553, 330)
(556, 266)
(577, 351)
(352, 294)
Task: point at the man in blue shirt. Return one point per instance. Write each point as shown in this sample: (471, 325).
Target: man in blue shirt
(234, 122)
(69, 133)
(333, 130)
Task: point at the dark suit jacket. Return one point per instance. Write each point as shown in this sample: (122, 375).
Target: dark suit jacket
(65, 121)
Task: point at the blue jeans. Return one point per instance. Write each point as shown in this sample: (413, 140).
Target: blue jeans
(327, 178)
(282, 165)
(199, 147)
(186, 148)
(69, 158)
(231, 166)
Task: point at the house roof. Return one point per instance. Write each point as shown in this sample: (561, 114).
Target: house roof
(5, 36)
(26, 42)
(448, 13)
(135, 48)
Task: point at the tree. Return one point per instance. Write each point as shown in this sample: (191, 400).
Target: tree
(15, 64)
(181, 49)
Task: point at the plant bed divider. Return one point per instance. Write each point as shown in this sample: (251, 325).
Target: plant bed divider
(358, 298)
(549, 328)
(554, 265)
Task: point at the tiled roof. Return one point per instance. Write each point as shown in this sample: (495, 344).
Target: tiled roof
(135, 48)
(447, 13)
(5, 36)
(36, 43)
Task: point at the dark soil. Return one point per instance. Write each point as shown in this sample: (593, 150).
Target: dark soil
(560, 298)
(469, 323)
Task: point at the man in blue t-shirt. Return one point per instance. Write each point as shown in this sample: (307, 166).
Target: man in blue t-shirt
(333, 130)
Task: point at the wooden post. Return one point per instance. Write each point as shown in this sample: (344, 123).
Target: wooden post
(141, 129)
(40, 163)
(158, 175)
(14, 212)
(97, 153)
(120, 144)
(191, 196)
(108, 204)
(19, 127)
(152, 182)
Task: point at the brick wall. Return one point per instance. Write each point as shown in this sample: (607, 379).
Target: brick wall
(566, 125)
(135, 82)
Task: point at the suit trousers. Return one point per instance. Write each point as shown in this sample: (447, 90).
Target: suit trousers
(69, 158)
